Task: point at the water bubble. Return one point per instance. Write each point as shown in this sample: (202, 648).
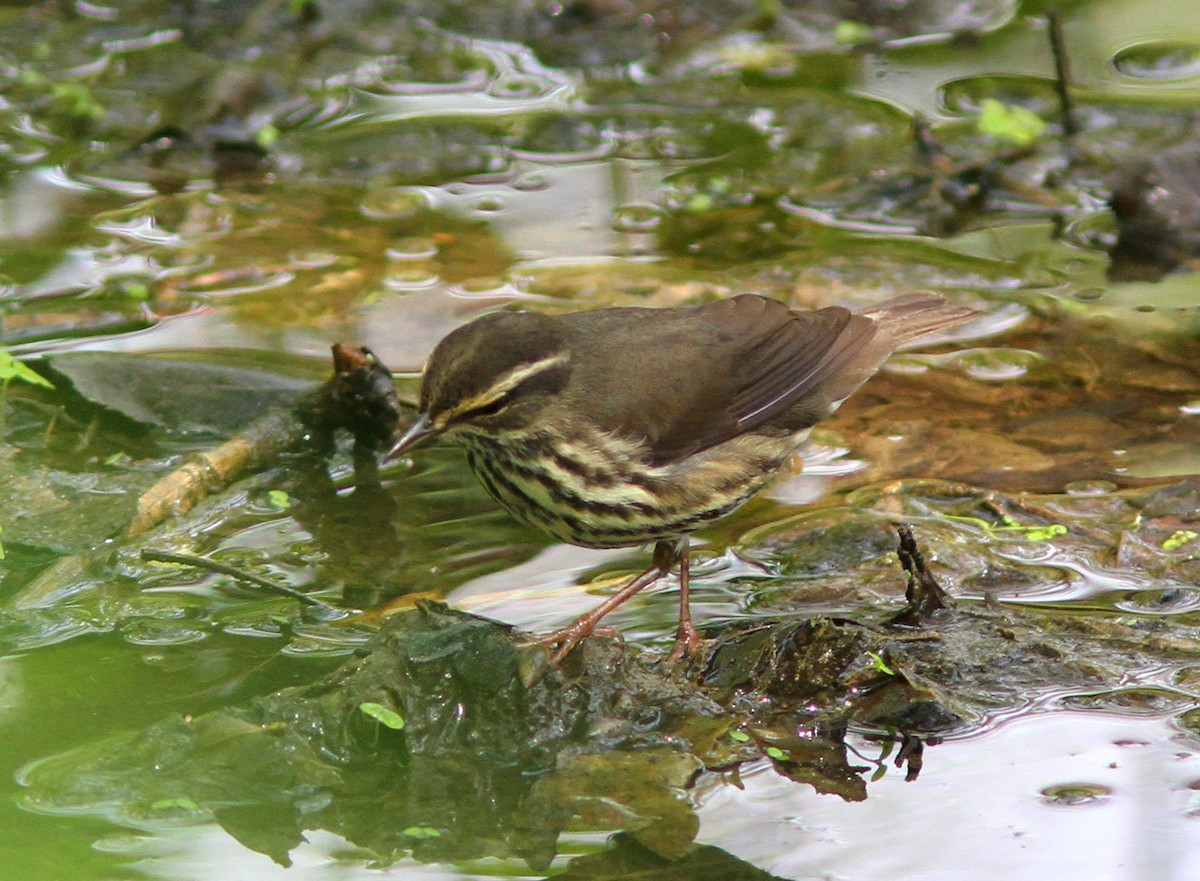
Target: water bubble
(483, 286)
(995, 364)
(488, 204)
(312, 259)
(153, 632)
(515, 87)
(1163, 601)
(391, 203)
(1089, 487)
(531, 183)
(412, 248)
(410, 278)
(1158, 60)
(1074, 794)
(637, 217)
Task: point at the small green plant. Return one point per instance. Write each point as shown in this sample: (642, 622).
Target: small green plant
(279, 498)
(1008, 525)
(852, 33)
(422, 831)
(1178, 539)
(878, 663)
(11, 368)
(77, 100)
(385, 716)
(1009, 122)
(266, 136)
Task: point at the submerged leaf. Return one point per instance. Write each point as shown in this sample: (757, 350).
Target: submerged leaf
(1017, 125)
(279, 499)
(880, 664)
(11, 368)
(422, 832)
(1178, 539)
(383, 715)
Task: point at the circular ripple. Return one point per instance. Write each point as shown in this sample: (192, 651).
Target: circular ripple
(1158, 60)
(1132, 701)
(1075, 794)
(1164, 601)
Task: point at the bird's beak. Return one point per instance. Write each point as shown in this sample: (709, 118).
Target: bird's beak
(417, 432)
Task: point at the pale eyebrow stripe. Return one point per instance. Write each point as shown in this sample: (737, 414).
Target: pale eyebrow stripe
(505, 384)
(522, 372)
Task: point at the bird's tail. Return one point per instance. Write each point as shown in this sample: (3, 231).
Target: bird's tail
(910, 316)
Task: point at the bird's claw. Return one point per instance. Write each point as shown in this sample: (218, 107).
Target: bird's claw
(562, 642)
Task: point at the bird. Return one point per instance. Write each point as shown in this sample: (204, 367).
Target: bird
(630, 426)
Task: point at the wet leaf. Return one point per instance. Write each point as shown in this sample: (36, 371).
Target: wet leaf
(64, 511)
(1178, 539)
(279, 499)
(1017, 125)
(11, 368)
(384, 715)
(422, 832)
(174, 393)
(878, 663)
(852, 33)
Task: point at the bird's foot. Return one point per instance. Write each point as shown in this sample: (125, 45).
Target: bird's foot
(688, 642)
(562, 642)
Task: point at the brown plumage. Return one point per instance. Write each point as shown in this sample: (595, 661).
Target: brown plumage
(619, 427)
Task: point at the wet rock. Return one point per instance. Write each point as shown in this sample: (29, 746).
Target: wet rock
(1157, 204)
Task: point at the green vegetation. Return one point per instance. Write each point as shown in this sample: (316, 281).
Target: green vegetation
(1007, 122)
(383, 715)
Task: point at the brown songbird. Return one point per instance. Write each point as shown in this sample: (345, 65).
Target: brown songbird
(628, 426)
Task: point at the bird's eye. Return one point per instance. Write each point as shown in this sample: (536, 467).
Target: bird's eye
(489, 409)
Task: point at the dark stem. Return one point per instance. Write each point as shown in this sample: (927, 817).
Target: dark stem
(1062, 73)
(924, 595)
(213, 566)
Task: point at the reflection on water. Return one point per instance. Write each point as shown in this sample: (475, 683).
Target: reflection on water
(927, 829)
(354, 178)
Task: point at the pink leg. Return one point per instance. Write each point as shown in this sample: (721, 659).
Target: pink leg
(582, 627)
(686, 637)
(665, 556)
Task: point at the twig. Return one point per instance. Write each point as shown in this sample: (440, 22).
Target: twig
(923, 594)
(1062, 74)
(359, 398)
(153, 556)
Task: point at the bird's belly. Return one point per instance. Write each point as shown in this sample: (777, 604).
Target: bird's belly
(563, 492)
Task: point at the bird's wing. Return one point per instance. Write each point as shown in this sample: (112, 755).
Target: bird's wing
(784, 355)
(686, 380)
(775, 357)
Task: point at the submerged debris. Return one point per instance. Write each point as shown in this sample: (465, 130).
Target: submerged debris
(359, 398)
(923, 594)
(610, 739)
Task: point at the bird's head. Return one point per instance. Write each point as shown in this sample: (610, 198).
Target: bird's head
(491, 376)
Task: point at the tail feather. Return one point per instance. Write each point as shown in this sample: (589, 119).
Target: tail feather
(896, 321)
(910, 316)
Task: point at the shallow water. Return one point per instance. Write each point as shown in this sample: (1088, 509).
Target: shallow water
(240, 191)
